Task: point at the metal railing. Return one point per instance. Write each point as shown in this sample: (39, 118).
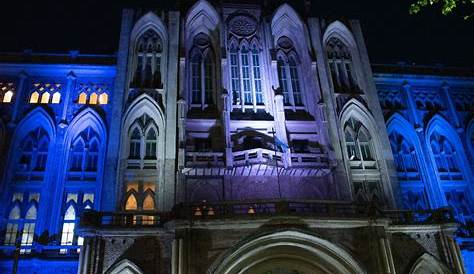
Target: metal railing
(264, 208)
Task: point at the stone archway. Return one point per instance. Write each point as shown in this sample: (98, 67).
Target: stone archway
(287, 252)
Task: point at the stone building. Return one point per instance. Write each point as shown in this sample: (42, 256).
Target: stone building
(234, 137)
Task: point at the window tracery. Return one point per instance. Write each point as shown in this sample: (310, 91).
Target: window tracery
(46, 93)
(147, 70)
(203, 72)
(93, 94)
(341, 67)
(406, 160)
(84, 156)
(33, 155)
(446, 158)
(143, 140)
(7, 90)
(245, 63)
(75, 203)
(358, 145)
(140, 196)
(288, 74)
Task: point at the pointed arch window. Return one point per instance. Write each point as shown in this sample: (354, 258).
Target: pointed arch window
(147, 65)
(13, 224)
(140, 196)
(28, 232)
(288, 74)
(84, 156)
(75, 203)
(33, 154)
(203, 72)
(359, 145)
(246, 79)
(446, 158)
(341, 67)
(150, 144)
(7, 90)
(405, 158)
(143, 144)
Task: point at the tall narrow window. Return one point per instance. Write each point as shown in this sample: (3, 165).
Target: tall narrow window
(11, 233)
(446, 158)
(147, 72)
(131, 203)
(67, 234)
(246, 77)
(196, 79)
(33, 154)
(202, 72)
(135, 144)
(84, 156)
(45, 98)
(358, 145)
(340, 65)
(151, 144)
(288, 73)
(28, 234)
(56, 98)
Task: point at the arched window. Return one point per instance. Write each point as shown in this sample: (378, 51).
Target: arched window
(45, 98)
(6, 92)
(7, 97)
(34, 97)
(150, 144)
(131, 203)
(93, 99)
(405, 158)
(28, 234)
(140, 197)
(358, 145)
(103, 99)
(446, 158)
(203, 72)
(33, 154)
(56, 98)
(12, 226)
(84, 156)
(147, 71)
(288, 74)
(67, 235)
(82, 98)
(246, 80)
(143, 144)
(340, 65)
(135, 144)
(75, 203)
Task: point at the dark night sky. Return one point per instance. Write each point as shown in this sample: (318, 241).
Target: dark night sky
(92, 26)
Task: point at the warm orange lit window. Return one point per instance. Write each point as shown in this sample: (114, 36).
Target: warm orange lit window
(82, 98)
(131, 203)
(45, 98)
(93, 99)
(34, 97)
(148, 203)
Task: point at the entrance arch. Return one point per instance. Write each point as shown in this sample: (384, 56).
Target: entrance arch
(286, 252)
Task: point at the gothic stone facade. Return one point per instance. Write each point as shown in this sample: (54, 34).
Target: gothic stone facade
(234, 138)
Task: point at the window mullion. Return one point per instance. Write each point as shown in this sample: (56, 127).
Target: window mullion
(252, 81)
(289, 84)
(241, 79)
(203, 83)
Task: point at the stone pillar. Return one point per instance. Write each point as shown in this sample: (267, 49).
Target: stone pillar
(451, 106)
(280, 128)
(181, 178)
(415, 119)
(71, 78)
(227, 108)
(18, 97)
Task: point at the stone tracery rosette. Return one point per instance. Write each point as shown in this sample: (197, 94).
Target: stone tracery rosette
(242, 25)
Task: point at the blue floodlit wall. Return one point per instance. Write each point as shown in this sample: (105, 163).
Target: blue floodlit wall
(53, 134)
(430, 122)
(53, 141)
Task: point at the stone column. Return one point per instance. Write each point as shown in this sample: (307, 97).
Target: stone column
(280, 128)
(227, 108)
(71, 78)
(415, 119)
(18, 97)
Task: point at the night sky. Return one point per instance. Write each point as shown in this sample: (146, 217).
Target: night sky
(392, 35)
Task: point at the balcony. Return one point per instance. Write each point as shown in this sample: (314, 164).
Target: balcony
(263, 209)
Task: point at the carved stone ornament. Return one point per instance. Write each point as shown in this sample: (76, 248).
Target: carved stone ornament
(243, 25)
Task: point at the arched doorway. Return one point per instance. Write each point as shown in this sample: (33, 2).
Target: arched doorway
(286, 252)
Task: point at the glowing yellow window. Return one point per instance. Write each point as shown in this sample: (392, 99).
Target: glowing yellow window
(93, 99)
(45, 98)
(34, 97)
(56, 98)
(82, 98)
(7, 97)
(103, 99)
(148, 203)
(131, 203)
